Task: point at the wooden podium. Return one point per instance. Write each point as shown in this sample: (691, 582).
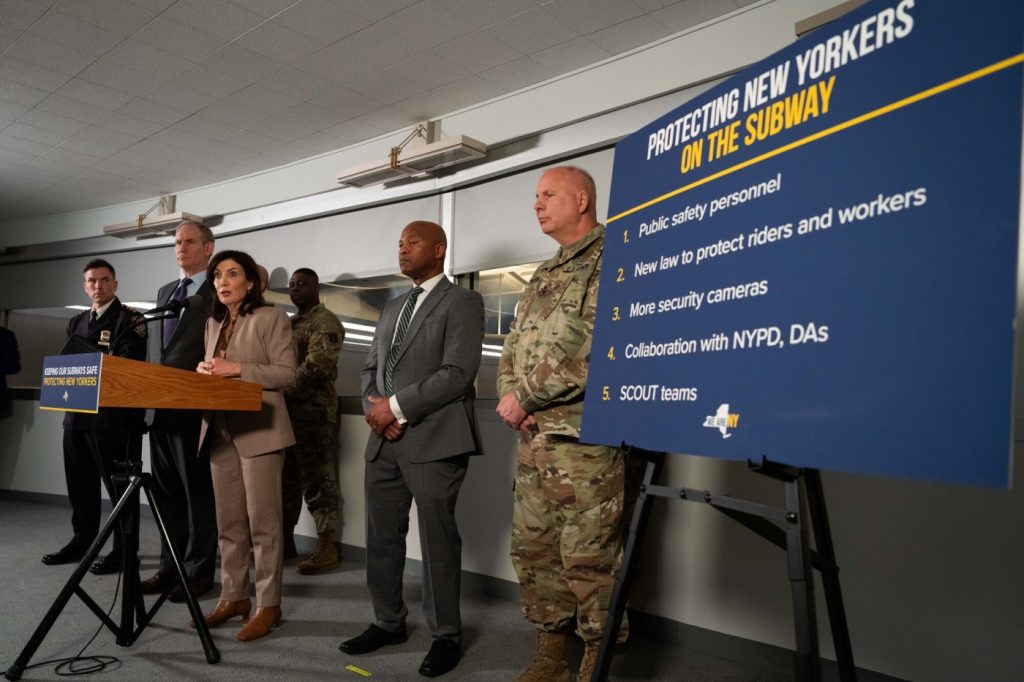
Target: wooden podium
(84, 383)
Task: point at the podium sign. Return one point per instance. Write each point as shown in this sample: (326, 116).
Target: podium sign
(816, 260)
(71, 383)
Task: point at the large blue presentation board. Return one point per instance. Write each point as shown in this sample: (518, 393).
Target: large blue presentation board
(816, 261)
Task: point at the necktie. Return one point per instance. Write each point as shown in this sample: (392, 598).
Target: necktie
(400, 330)
(92, 316)
(171, 323)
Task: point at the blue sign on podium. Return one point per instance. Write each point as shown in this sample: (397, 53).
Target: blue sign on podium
(71, 383)
(816, 260)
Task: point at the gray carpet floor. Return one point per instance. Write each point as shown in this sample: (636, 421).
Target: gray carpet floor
(319, 612)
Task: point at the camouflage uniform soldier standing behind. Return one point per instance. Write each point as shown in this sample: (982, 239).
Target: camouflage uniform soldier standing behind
(317, 336)
(567, 523)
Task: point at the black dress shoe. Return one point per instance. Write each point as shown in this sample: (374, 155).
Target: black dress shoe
(443, 656)
(372, 639)
(200, 586)
(156, 583)
(68, 554)
(108, 564)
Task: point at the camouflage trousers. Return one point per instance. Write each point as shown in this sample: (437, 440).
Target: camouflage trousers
(309, 471)
(567, 532)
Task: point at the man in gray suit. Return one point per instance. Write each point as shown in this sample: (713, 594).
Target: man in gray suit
(418, 398)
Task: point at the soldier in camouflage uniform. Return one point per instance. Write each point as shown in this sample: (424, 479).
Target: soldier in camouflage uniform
(567, 523)
(317, 336)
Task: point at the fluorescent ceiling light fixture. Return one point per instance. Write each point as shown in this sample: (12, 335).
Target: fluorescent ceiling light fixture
(77, 307)
(425, 154)
(163, 223)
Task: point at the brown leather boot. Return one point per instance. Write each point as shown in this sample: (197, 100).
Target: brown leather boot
(266, 619)
(549, 664)
(225, 611)
(324, 558)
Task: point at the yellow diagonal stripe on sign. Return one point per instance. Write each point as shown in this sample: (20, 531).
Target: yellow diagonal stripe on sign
(839, 127)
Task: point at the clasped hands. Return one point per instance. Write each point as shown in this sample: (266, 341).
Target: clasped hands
(513, 414)
(382, 420)
(220, 367)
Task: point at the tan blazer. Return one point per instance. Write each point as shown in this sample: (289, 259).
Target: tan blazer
(262, 343)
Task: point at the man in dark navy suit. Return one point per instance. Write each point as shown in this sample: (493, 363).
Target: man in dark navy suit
(182, 487)
(93, 443)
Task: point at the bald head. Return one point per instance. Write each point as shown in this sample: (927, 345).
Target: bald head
(566, 204)
(421, 250)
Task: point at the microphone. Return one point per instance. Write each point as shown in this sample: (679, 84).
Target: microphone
(176, 306)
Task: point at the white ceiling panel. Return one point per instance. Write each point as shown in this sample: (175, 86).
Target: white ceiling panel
(130, 125)
(27, 73)
(219, 17)
(63, 59)
(298, 84)
(83, 92)
(375, 10)
(588, 16)
(117, 16)
(118, 77)
(60, 29)
(534, 30)
(150, 60)
(242, 63)
(56, 122)
(517, 74)
(571, 55)
(203, 79)
(28, 132)
(477, 51)
(321, 20)
(72, 108)
(176, 37)
(279, 42)
(206, 127)
(155, 112)
(20, 14)
(629, 34)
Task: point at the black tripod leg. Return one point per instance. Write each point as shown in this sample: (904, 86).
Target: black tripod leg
(18, 667)
(830, 576)
(212, 655)
(630, 556)
(807, 661)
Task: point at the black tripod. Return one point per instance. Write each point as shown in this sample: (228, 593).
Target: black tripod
(133, 609)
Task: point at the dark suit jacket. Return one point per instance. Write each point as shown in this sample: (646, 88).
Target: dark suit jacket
(434, 375)
(128, 343)
(262, 342)
(183, 350)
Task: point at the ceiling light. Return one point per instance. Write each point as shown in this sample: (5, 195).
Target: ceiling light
(425, 154)
(163, 223)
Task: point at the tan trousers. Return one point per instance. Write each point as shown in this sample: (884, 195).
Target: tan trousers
(248, 500)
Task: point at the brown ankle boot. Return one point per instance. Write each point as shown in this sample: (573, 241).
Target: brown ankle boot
(323, 559)
(225, 611)
(549, 664)
(266, 619)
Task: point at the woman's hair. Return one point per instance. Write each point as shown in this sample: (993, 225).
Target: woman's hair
(253, 299)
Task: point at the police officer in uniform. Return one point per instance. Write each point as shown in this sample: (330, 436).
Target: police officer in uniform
(317, 337)
(93, 443)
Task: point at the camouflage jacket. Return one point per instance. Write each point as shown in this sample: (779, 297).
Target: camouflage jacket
(317, 337)
(547, 351)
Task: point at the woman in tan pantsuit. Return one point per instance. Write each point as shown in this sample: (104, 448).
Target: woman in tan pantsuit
(247, 339)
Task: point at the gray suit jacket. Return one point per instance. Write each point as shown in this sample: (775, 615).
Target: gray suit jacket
(434, 375)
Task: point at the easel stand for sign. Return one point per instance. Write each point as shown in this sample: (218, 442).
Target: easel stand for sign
(130, 383)
(787, 528)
